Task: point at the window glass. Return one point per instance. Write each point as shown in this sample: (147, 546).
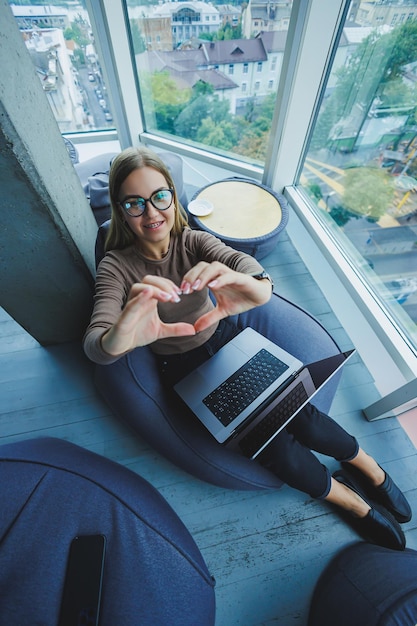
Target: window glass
(60, 42)
(360, 170)
(190, 84)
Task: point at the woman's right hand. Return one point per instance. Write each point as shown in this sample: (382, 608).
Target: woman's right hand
(139, 323)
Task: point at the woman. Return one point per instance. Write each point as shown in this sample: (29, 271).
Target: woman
(152, 288)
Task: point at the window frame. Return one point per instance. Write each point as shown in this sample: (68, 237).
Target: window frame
(390, 358)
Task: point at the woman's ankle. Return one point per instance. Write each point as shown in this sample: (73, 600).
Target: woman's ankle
(349, 500)
(367, 465)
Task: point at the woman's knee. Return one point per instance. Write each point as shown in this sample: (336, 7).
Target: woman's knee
(321, 433)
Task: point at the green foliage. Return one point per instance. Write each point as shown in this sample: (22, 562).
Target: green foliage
(197, 117)
(206, 36)
(79, 57)
(397, 93)
(328, 117)
(368, 191)
(207, 120)
(167, 101)
(228, 32)
(202, 88)
(165, 90)
(256, 132)
(77, 33)
(68, 34)
(191, 117)
(341, 216)
(375, 69)
(403, 50)
(219, 135)
(315, 191)
(253, 145)
(162, 100)
(137, 39)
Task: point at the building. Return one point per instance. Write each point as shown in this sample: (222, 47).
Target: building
(391, 13)
(265, 15)
(42, 16)
(230, 14)
(237, 69)
(51, 58)
(184, 20)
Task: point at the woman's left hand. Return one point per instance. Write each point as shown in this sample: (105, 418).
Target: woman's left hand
(234, 292)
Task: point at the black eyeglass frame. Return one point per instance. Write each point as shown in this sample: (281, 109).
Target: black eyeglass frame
(145, 200)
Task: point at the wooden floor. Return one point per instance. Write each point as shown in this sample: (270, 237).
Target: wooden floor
(265, 549)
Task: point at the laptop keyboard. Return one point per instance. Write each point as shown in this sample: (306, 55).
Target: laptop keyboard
(236, 393)
(251, 443)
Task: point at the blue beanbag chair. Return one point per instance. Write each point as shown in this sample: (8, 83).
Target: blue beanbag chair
(52, 491)
(367, 585)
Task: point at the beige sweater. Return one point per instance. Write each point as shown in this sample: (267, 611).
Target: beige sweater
(121, 268)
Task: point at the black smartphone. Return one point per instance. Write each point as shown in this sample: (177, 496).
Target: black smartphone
(81, 596)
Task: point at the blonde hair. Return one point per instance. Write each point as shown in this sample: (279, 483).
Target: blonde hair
(119, 235)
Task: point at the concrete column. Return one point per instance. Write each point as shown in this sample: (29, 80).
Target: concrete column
(47, 229)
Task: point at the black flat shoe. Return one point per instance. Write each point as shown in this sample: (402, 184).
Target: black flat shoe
(378, 526)
(387, 494)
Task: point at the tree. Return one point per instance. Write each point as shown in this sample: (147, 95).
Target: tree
(204, 107)
(79, 57)
(168, 101)
(252, 145)
(256, 132)
(201, 88)
(370, 72)
(78, 34)
(315, 191)
(397, 93)
(403, 50)
(219, 135)
(189, 120)
(165, 90)
(163, 101)
(228, 32)
(137, 39)
(206, 36)
(367, 191)
(341, 216)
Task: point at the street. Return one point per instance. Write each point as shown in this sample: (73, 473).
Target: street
(97, 113)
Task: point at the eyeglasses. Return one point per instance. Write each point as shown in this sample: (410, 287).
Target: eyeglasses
(135, 205)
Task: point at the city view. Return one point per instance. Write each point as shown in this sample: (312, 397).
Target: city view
(61, 44)
(361, 167)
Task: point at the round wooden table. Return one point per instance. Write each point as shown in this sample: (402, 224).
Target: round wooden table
(247, 215)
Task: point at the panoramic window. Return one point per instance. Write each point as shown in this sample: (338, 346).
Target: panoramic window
(361, 166)
(190, 88)
(60, 42)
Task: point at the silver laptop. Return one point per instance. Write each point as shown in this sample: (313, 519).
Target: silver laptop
(248, 391)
